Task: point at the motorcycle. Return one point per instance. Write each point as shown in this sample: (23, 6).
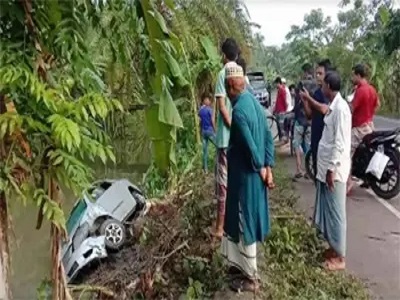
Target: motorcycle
(387, 142)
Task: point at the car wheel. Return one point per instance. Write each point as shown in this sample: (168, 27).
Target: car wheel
(114, 232)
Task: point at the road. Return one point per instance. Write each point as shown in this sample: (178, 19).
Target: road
(373, 231)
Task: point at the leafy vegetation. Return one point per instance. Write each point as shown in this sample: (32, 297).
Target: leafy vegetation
(366, 31)
(71, 72)
(79, 77)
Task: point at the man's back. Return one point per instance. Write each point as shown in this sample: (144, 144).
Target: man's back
(222, 138)
(249, 110)
(280, 105)
(364, 104)
(205, 114)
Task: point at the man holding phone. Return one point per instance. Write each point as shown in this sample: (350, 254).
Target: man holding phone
(314, 87)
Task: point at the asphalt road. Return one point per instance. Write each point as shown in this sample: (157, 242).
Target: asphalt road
(373, 231)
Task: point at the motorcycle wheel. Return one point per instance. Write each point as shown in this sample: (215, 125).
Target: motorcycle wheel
(394, 160)
(309, 165)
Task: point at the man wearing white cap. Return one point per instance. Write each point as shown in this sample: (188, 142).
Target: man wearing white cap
(250, 159)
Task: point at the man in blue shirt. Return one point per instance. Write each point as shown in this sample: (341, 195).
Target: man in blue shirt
(317, 119)
(207, 128)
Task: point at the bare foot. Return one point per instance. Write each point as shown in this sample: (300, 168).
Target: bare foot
(335, 264)
(217, 233)
(329, 253)
(350, 185)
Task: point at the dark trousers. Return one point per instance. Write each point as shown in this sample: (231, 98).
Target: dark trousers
(314, 161)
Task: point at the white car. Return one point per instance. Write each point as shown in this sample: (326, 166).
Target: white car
(96, 222)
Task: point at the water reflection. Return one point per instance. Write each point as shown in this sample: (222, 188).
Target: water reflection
(30, 249)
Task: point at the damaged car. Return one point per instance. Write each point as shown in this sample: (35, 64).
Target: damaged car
(97, 223)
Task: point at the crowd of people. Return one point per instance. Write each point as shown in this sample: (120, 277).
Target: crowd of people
(324, 122)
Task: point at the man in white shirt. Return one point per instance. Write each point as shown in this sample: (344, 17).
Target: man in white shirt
(333, 169)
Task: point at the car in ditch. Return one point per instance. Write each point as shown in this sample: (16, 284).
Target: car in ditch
(97, 223)
(260, 88)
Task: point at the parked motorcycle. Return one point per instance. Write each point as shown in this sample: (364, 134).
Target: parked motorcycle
(387, 142)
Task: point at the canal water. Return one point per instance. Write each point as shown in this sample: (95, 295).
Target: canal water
(30, 249)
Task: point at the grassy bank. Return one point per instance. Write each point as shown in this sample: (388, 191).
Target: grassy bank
(171, 254)
(293, 255)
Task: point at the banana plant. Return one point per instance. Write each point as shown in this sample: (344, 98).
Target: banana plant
(164, 74)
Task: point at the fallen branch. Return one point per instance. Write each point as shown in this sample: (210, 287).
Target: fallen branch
(181, 246)
(91, 289)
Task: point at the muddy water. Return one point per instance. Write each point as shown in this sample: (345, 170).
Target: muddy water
(31, 248)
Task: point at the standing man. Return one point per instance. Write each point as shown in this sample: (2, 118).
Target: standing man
(289, 100)
(301, 135)
(207, 128)
(334, 163)
(230, 51)
(364, 105)
(315, 115)
(250, 159)
(280, 108)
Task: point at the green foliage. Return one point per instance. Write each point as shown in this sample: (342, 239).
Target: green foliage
(366, 32)
(59, 98)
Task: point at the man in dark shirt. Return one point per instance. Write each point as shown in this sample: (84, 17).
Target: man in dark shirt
(301, 133)
(207, 128)
(317, 119)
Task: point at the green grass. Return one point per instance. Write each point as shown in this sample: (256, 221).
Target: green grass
(293, 255)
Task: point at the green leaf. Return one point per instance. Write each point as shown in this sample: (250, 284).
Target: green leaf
(168, 112)
(210, 49)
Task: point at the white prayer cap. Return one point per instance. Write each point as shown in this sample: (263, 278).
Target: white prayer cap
(283, 80)
(232, 69)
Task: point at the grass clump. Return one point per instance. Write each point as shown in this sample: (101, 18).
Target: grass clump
(293, 255)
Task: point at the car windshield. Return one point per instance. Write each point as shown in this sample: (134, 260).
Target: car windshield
(258, 84)
(75, 215)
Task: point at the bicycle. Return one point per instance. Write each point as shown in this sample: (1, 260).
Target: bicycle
(272, 123)
(309, 164)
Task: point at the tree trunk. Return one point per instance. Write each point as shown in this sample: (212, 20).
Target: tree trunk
(5, 293)
(60, 286)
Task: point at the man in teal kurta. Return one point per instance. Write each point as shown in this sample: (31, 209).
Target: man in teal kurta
(250, 159)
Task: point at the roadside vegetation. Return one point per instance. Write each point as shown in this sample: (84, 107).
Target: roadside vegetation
(85, 83)
(172, 255)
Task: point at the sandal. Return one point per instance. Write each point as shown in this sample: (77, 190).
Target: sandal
(298, 175)
(244, 285)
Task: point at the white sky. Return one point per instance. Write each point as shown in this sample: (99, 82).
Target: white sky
(276, 16)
